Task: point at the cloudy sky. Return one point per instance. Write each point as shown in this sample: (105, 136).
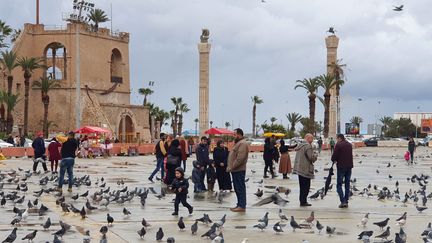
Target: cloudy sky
(263, 48)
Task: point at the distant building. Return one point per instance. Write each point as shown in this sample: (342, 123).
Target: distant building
(415, 117)
(374, 129)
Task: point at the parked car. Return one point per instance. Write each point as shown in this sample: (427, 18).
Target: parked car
(4, 144)
(371, 142)
(424, 141)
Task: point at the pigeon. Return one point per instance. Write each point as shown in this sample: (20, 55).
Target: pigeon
(30, 236)
(282, 216)
(277, 228)
(404, 216)
(87, 237)
(275, 198)
(205, 219)
(60, 232)
(221, 222)
(194, 228)
(311, 218)
(12, 236)
(110, 219)
(264, 218)
(382, 224)
(170, 240)
(365, 233)
(398, 8)
(126, 212)
(75, 197)
(319, 227)
(89, 206)
(330, 230)
(364, 220)
(103, 239)
(85, 194)
(260, 225)
(47, 224)
(159, 235)
(181, 224)
(398, 239)
(259, 193)
(385, 234)
(421, 208)
(83, 213)
(294, 225)
(142, 232)
(103, 230)
(145, 223)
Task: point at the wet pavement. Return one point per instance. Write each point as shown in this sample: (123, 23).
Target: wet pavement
(371, 167)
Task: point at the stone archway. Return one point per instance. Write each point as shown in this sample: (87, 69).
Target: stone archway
(126, 127)
(116, 67)
(55, 61)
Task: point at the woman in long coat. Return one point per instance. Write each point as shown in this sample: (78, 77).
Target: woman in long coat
(54, 154)
(285, 166)
(175, 151)
(220, 158)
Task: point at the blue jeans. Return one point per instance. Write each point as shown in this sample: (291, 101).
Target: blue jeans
(66, 164)
(159, 166)
(240, 187)
(343, 175)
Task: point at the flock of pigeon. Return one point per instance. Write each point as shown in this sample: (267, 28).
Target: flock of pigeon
(97, 195)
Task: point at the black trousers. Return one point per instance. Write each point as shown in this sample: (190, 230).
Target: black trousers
(181, 198)
(268, 167)
(36, 162)
(412, 155)
(304, 183)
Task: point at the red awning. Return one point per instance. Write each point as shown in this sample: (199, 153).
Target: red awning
(219, 131)
(90, 129)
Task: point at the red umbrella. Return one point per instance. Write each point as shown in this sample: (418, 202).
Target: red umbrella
(91, 129)
(219, 131)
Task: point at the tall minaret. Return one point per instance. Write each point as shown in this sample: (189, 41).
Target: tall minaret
(332, 43)
(204, 55)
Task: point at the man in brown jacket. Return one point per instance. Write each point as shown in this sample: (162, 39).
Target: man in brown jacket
(237, 166)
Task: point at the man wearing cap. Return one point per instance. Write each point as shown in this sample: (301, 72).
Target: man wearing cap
(68, 153)
(343, 157)
(39, 152)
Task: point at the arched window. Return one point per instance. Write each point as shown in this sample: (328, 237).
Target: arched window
(116, 67)
(56, 61)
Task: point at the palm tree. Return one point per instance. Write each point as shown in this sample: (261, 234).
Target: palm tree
(11, 101)
(15, 34)
(196, 126)
(311, 86)
(146, 92)
(177, 103)
(183, 109)
(54, 47)
(8, 62)
(273, 120)
(356, 120)
(327, 82)
(386, 121)
(5, 30)
(28, 65)
(227, 125)
(339, 73)
(161, 117)
(97, 16)
(293, 118)
(45, 85)
(256, 100)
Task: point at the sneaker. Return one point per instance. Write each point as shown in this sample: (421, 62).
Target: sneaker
(265, 177)
(174, 214)
(59, 189)
(151, 180)
(305, 204)
(70, 189)
(238, 210)
(343, 205)
(190, 210)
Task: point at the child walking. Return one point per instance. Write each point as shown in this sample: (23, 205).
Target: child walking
(180, 187)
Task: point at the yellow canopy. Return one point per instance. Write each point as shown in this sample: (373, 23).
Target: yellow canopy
(269, 134)
(61, 138)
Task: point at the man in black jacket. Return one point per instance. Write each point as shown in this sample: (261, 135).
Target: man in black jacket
(68, 153)
(203, 158)
(343, 157)
(39, 152)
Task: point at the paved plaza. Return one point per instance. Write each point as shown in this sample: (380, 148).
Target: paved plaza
(371, 167)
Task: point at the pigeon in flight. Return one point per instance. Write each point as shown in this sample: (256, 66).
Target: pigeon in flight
(398, 8)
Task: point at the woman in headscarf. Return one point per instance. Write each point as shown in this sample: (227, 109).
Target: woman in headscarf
(285, 166)
(220, 158)
(173, 160)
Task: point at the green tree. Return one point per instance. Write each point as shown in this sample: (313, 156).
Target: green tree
(275, 128)
(54, 47)
(5, 31)
(256, 100)
(338, 71)
(309, 126)
(327, 82)
(356, 120)
(11, 101)
(183, 109)
(145, 92)
(28, 65)
(227, 125)
(311, 86)
(386, 121)
(273, 120)
(177, 102)
(293, 119)
(45, 85)
(97, 16)
(8, 62)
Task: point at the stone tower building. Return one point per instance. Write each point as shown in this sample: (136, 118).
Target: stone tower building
(104, 80)
(204, 56)
(332, 43)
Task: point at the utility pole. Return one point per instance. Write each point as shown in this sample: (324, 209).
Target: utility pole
(37, 11)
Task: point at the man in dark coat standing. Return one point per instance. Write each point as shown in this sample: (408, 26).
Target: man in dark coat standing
(343, 157)
(68, 154)
(39, 152)
(202, 155)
